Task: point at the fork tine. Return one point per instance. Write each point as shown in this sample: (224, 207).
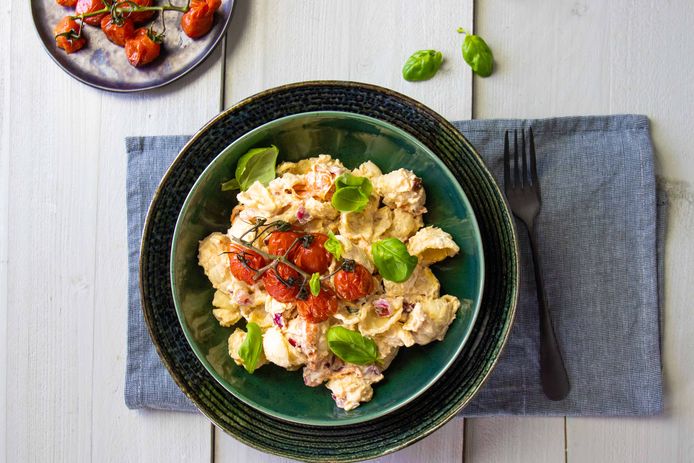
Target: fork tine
(526, 179)
(507, 166)
(516, 170)
(533, 162)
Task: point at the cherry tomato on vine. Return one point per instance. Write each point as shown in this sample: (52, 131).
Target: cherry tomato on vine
(286, 288)
(199, 19)
(243, 263)
(311, 255)
(353, 285)
(90, 6)
(279, 241)
(316, 309)
(69, 44)
(138, 17)
(66, 3)
(115, 33)
(142, 48)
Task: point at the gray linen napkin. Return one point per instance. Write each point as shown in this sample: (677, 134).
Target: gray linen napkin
(600, 250)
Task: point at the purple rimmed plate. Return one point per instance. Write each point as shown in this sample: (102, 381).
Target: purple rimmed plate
(102, 64)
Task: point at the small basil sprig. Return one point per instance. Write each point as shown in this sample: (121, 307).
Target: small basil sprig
(351, 193)
(333, 246)
(477, 54)
(351, 346)
(392, 260)
(251, 347)
(314, 284)
(256, 165)
(422, 65)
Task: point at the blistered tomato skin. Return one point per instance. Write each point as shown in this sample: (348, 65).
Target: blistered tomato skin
(67, 3)
(199, 20)
(353, 285)
(90, 6)
(280, 241)
(244, 264)
(115, 33)
(286, 287)
(139, 17)
(316, 309)
(70, 45)
(140, 49)
(310, 254)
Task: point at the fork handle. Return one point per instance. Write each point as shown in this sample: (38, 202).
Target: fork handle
(555, 380)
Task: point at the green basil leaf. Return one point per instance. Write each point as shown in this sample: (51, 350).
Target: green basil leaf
(251, 347)
(231, 185)
(347, 180)
(349, 199)
(314, 284)
(422, 65)
(351, 346)
(257, 164)
(392, 260)
(478, 55)
(333, 246)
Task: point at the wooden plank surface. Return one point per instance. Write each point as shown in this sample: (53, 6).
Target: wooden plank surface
(273, 43)
(350, 40)
(67, 260)
(444, 446)
(514, 439)
(592, 57)
(5, 22)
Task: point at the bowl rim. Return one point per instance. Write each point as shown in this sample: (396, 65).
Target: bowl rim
(475, 306)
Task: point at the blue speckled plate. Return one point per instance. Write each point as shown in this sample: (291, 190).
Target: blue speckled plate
(103, 65)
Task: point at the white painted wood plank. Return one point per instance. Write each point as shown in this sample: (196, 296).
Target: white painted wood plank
(514, 439)
(571, 57)
(5, 21)
(666, 438)
(443, 446)
(529, 49)
(181, 108)
(590, 57)
(273, 43)
(66, 291)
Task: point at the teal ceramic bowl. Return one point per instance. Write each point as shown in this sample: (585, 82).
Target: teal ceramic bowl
(352, 138)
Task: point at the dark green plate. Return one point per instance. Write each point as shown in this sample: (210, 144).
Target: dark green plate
(352, 138)
(448, 395)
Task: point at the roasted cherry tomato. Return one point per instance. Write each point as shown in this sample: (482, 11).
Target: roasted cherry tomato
(141, 49)
(279, 241)
(69, 44)
(67, 3)
(243, 263)
(310, 254)
(286, 287)
(199, 19)
(139, 17)
(117, 34)
(90, 6)
(353, 284)
(316, 309)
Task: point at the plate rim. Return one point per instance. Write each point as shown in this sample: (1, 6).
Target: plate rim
(52, 54)
(475, 307)
(514, 293)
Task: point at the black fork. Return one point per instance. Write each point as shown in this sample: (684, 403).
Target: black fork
(523, 194)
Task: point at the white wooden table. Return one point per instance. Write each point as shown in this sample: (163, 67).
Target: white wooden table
(63, 255)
